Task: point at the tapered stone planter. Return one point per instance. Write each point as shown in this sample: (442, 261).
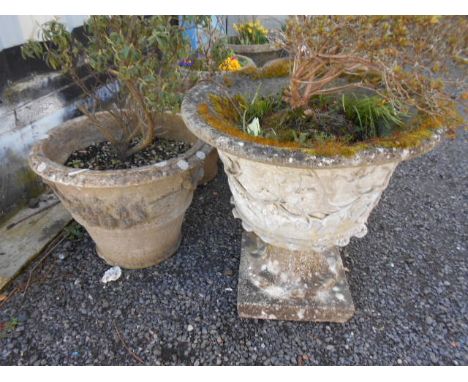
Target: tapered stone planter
(297, 209)
(135, 215)
(259, 53)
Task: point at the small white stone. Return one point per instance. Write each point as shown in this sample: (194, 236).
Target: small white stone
(300, 314)
(201, 155)
(183, 164)
(112, 274)
(73, 173)
(161, 164)
(41, 167)
(339, 296)
(240, 143)
(189, 328)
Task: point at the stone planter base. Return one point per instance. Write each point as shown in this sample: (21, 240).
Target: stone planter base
(280, 284)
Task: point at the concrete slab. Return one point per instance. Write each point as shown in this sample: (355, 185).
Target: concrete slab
(26, 234)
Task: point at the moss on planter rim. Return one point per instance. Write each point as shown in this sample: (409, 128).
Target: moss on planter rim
(424, 125)
(275, 69)
(400, 139)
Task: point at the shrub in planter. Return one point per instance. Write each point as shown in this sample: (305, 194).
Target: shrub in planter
(126, 170)
(310, 144)
(252, 41)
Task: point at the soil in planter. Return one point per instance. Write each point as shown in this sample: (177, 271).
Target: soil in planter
(102, 156)
(330, 125)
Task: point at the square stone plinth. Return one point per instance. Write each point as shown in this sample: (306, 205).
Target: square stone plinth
(280, 284)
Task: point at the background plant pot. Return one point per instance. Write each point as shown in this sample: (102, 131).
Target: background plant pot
(296, 209)
(133, 215)
(259, 53)
(193, 76)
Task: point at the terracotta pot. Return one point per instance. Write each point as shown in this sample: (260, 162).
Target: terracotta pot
(259, 53)
(297, 209)
(135, 215)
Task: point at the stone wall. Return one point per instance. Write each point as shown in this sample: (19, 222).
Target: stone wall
(29, 109)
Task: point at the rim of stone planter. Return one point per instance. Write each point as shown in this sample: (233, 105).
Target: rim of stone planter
(254, 48)
(52, 169)
(283, 156)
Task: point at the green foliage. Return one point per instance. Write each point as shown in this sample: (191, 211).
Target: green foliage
(349, 120)
(240, 110)
(258, 107)
(392, 56)
(139, 53)
(74, 231)
(374, 116)
(8, 327)
(251, 33)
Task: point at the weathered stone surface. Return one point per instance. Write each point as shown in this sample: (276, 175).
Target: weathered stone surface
(279, 284)
(26, 238)
(300, 206)
(278, 155)
(259, 53)
(133, 215)
(305, 208)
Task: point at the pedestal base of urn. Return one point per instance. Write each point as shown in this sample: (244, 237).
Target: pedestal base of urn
(279, 284)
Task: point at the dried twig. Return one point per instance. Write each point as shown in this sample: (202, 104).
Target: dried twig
(130, 351)
(10, 295)
(47, 252)
(395, 57)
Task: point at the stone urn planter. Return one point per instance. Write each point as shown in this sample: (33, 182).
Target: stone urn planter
(297, 210)
(259, 53)
(134, 215)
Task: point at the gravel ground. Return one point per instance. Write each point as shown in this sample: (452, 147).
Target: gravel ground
(408, 277)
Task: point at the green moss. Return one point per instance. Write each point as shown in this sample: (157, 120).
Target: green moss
(229, 128)
(29, 180)
(280, 68)
(224, 114)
